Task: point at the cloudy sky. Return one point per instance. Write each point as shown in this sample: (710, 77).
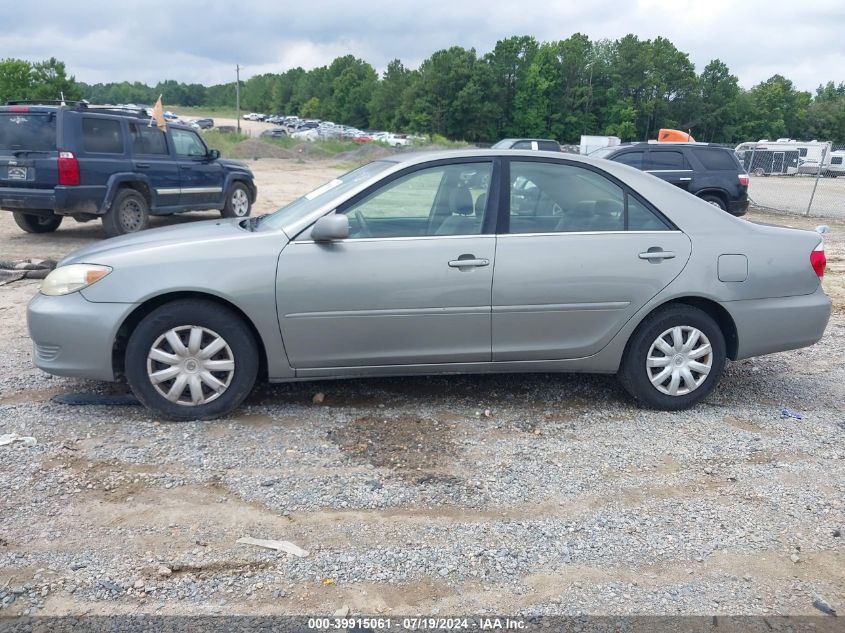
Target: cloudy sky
(201, 40)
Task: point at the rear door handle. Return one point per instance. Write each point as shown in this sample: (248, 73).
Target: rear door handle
(657, 255)
(684, 179)
(463, 263)
(142, 165)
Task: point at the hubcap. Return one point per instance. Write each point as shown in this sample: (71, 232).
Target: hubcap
(679, 360)
(190, 365)
(240, 202)
(131, 216)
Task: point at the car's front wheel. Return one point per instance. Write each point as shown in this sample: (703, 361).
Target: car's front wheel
(32, 223)
(129, 213)
(238, 203)
(191, 359)
(674, 358)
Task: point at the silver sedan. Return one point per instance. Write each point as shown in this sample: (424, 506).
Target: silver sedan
(462, 261)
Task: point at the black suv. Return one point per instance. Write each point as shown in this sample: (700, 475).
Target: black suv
(712, 173)
(88, 162)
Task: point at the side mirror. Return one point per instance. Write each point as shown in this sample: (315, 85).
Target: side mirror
(334, 226)
(213, 154)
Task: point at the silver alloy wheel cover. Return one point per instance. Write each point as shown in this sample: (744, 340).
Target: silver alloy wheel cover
(714, 203)
(240, 202)
(679, 360)
(190, 365)
(130, 216)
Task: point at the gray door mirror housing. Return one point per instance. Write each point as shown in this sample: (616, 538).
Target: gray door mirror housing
(334, 226)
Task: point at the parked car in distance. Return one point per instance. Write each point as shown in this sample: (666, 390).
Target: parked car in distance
(202, 124)
(254, 116)
(274, 133)
(566, 264)
(89, 162)
(541, 144)
(709, 172)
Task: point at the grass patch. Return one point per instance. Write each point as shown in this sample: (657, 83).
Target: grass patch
(224, 142)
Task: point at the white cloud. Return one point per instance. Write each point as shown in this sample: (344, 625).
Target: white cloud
(196, 41)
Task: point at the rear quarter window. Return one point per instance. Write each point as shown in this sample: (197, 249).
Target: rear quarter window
(27, 131)
(716, 159)
(101, 136)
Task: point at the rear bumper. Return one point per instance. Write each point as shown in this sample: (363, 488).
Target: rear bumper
(17, 199)
(62, 200)
(765, 326)
(72, 336)
(738, 206)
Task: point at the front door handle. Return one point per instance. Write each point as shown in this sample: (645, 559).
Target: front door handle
(684, 179)
(465, 261)
(142, 165)
(657, 255)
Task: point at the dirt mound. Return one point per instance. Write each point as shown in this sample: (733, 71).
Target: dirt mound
(256, 148)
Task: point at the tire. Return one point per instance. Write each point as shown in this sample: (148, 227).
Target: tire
(32, 223)
(205, 393)
(238, 203)
(129, 213)
(715, 200)
(759, 171)
(637, 377)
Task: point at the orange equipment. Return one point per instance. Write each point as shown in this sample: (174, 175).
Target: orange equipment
(674, 136)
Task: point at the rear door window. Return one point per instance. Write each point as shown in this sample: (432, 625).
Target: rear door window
(658, 160)
(634, 159)
(27, 131)
(147, 139)
(716, 159)
(563, 198)
(101, 136)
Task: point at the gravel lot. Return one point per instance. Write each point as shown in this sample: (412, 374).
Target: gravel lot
(530, 494)
(792, 194)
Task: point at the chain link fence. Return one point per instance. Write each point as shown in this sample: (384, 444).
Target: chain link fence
(797, 178)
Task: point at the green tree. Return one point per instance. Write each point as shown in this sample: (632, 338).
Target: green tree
(430, 98)
(719, 103)
(385, 107)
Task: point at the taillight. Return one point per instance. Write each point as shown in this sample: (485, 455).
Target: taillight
(19, 109)
(743, 180)
(68, 169)
(817, 259)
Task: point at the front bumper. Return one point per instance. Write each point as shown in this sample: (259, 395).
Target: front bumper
(765, 326)
(72, 336)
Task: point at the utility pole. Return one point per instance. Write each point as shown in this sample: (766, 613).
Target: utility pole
(238, 96)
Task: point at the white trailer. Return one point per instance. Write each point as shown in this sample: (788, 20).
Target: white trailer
(783, 156)
(589, 144)
(835, 165)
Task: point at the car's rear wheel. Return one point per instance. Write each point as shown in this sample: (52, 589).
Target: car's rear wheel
(129, 213)
(715, 200)
(191, 359)
(674, 358)
(32, 223)
(238, 203)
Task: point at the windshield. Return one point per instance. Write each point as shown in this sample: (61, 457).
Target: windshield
(602, 152)
(300, 208)
(27, 131)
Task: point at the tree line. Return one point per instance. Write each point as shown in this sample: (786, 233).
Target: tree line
(629, 87)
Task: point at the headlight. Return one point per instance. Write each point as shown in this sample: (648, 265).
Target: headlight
(67, 279)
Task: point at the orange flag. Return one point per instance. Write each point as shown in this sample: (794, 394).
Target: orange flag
(158, 115)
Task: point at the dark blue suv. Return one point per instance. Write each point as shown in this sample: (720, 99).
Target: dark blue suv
(88, 162)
